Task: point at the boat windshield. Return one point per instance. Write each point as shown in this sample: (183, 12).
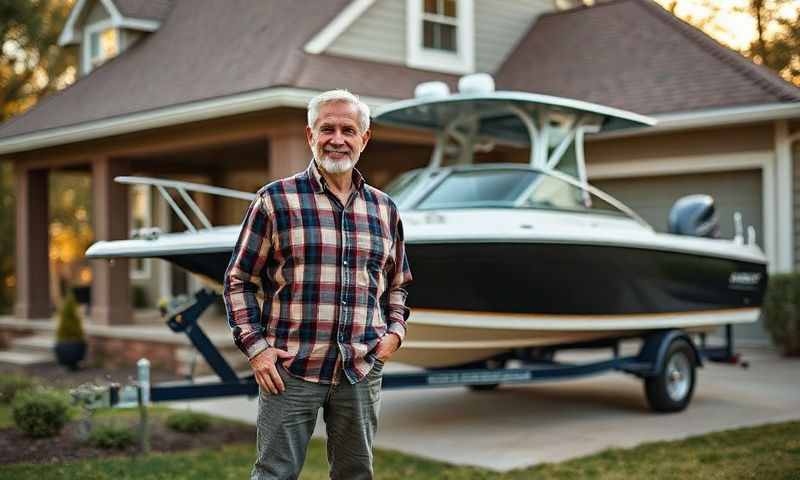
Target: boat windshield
(466, 189)
(515, 188)
(401, 187)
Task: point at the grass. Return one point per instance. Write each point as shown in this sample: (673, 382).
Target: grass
(769, 451)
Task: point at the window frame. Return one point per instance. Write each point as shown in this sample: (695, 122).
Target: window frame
(97, 28)
(417, 56)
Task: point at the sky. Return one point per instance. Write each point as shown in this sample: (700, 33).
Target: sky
(732, 25)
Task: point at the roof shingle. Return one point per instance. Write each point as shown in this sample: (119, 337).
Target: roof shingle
(634, 55)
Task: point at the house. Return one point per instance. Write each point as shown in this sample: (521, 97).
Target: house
(214, 92)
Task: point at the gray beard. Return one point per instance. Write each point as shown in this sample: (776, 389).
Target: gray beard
(332, 166)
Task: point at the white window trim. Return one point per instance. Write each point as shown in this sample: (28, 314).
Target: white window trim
(145, 272)
(97, 27)
(461, 62)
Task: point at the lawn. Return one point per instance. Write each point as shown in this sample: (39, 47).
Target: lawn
(770, 451)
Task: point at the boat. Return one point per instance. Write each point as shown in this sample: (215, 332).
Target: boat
(513, 251)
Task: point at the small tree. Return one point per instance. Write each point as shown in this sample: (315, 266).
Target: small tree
(70, 324)
(70, 345)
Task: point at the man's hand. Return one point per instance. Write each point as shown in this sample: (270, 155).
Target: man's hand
(388, 345)
(266, 373)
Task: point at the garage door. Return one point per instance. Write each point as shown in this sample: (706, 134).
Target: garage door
(652, 198)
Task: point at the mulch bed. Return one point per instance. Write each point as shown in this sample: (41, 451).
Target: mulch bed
(15, 447)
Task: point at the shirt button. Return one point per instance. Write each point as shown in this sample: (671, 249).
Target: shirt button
(345, 262)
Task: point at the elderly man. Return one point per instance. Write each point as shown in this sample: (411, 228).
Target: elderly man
(327, 251)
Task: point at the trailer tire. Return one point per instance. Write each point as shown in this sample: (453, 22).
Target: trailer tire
(671, 389)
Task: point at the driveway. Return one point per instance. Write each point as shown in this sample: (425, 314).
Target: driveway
(519, 426)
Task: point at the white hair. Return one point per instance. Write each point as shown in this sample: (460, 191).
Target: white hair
(332, 96)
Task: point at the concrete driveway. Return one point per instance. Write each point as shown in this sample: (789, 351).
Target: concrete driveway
(519, 426)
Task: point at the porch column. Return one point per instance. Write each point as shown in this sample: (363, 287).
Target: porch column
(111, 284)
(32, 268)
(288, 153)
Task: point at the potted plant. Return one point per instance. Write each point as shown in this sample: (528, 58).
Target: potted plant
(782, 312)
(70, 342)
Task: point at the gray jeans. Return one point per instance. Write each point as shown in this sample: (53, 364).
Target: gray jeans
(286, 422)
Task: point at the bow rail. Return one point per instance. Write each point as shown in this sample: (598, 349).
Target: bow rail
(183, 188)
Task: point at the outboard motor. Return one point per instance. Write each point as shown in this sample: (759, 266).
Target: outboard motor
(694, 215)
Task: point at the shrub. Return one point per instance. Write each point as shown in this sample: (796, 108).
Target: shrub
(782, 311)
(70, 325)
(117, 437)
(41, 412)
(10, 385)
(188, 422)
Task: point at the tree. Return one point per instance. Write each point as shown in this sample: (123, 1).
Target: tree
(32, 64)
(777, 42)
(771, 29)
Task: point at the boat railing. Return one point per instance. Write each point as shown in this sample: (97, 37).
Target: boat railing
(183, 188)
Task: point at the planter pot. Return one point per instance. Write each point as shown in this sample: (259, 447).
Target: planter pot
(69, 353)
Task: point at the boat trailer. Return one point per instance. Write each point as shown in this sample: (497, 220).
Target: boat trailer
(666, 362)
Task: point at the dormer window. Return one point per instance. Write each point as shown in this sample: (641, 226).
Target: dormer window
(103, 44)
(102, 30)
(440, 35)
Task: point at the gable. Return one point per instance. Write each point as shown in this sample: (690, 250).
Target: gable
(96, 14)
(380, 32)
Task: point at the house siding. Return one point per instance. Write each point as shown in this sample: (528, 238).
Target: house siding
(732, 140)
(96, 14)
(499, 26)
(379, 34)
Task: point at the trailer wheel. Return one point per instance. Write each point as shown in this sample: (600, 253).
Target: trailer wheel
(671, 389)
(490, 365)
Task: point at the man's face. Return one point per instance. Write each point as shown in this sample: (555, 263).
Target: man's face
(336, 138)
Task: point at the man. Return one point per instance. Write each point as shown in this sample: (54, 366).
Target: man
(327, 251)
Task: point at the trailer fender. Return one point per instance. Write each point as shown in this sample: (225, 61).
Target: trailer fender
(655, 347)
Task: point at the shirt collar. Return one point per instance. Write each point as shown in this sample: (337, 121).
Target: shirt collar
(319, 184)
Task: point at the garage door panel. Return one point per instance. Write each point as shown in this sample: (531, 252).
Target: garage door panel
(653, 197)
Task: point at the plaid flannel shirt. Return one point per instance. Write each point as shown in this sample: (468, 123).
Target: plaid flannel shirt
(332, 276)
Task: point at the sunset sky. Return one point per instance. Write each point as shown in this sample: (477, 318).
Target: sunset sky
(732, 25)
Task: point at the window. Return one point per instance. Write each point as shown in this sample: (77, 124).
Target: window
(440, 35)
(141, 218)
(102, 42)
(439, 25)
(102, 46)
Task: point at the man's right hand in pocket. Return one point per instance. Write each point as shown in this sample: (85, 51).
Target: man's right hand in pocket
(266, 372)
